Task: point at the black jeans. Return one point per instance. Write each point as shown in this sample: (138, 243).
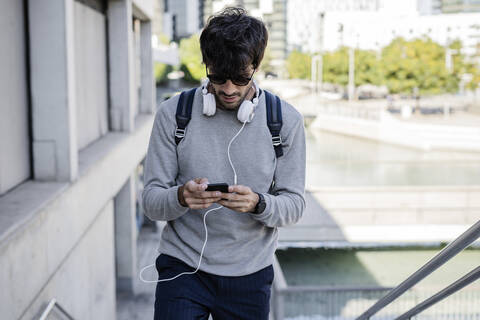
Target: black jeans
(195, 296)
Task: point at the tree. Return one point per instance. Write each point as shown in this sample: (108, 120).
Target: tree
(299, 65)
(368, 68)
(266, 64)
(335, 66)
(418, 63)
(191, 58)
(161, 70)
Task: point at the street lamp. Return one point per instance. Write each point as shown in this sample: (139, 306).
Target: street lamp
(317, 71)
(351, 74)
(448, 59)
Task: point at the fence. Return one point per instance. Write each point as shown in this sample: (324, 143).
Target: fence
(322, 303)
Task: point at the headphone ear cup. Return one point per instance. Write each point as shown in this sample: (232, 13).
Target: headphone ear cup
(209, 105)
(245, 112)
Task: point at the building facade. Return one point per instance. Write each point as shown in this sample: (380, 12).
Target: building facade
(457, 6)
(311, 29)
(78, 102)
(183, 18)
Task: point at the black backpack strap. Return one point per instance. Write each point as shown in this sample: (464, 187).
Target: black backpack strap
(184, 113)
(274, 121)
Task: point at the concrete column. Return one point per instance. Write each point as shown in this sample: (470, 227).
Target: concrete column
(147, 90)
(55, 151)
(120, 61)
(126, 236)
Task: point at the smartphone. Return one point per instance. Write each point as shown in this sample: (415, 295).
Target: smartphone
(222, 187)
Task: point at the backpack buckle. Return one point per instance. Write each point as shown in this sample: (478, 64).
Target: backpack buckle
(276, 140)
(179, 133)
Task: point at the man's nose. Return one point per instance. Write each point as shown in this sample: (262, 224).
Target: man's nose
(229, 88)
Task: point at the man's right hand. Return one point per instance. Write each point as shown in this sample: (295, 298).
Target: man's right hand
(193, 195)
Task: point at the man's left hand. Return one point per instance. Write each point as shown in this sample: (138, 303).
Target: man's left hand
(240, 198)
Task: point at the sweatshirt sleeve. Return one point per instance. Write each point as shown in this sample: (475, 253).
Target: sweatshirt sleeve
(286, 203)
(159, 196)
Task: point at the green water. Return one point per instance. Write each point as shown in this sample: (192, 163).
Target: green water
(374, 267)
(370, 267)
(337, 160)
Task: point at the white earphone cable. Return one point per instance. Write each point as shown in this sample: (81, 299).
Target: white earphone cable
(228, 153)
(199, 261)
(204, 224)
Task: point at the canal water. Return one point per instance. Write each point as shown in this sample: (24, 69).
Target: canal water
(338, 160)
(334, 161)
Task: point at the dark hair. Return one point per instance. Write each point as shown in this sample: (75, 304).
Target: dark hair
(232, 40)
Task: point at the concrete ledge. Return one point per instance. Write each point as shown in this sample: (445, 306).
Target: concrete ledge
(420, 136)
(84, 283)
(41, 222)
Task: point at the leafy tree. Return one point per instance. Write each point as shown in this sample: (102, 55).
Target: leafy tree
(368, 68)
(191, 58)
(161, 70)
(335, 66)
(266, 64)
(402, 66)
(418, 63)
(299, 65)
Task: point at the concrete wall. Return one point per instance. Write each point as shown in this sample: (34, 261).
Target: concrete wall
(50, 221)
(144, 9)
(136, 65)
(84, 283)
(14, 141)
(90, 74)
(57, 232)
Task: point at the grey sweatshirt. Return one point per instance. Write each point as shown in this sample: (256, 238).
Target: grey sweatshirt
(238, 243)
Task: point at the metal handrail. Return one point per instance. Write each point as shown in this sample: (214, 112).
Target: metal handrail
(52, 304)
(294, 289)
(454, 287)
(456, 246)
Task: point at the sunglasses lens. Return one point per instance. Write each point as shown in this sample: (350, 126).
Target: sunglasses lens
(241, 81)
(217, 79)
(238, 80)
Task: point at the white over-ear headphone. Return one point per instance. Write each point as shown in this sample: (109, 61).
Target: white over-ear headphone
(246, 111)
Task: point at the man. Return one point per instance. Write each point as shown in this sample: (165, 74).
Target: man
(235, 271)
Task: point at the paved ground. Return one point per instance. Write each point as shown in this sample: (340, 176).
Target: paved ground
(140, 306)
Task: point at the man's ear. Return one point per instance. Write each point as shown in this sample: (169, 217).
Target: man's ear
(210, 88)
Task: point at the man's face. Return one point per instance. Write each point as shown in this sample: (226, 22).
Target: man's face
(230, 95)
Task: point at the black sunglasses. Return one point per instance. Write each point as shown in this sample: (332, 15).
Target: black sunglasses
(238, 80)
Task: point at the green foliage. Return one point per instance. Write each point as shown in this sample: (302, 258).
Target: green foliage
(335, 66)
(191, 58)
(162, 38)
(161, 71)
(401, 66)
(299, 65)
(418, 63)
(368, 68)
(266, 64)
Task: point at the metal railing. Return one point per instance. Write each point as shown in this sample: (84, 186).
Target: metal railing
(451, 289)
(458, 245)
(51, 305)
(324, 300)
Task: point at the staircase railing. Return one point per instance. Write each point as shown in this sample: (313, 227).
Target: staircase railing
(456, 246)
(51, 305)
